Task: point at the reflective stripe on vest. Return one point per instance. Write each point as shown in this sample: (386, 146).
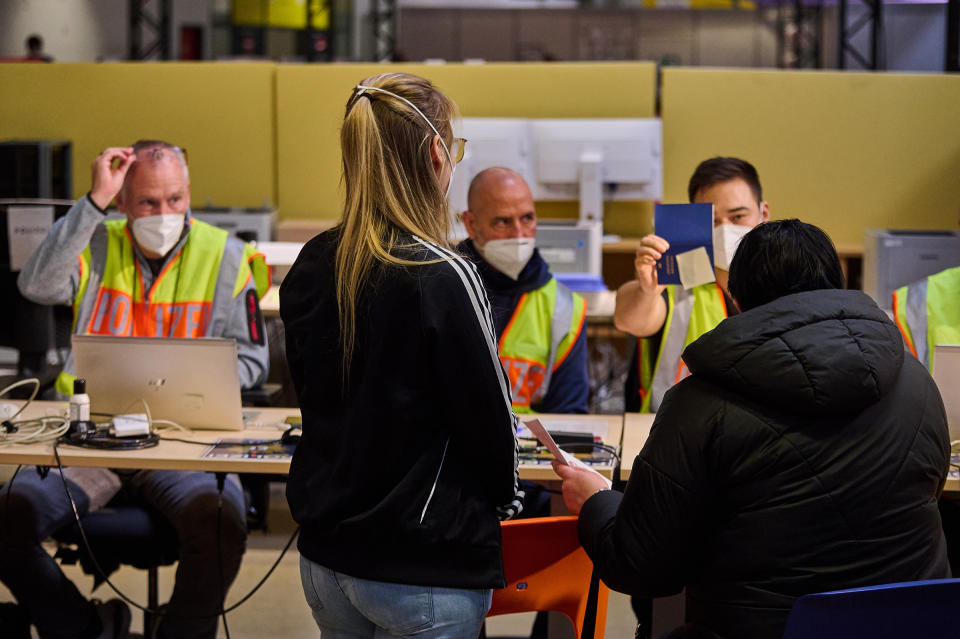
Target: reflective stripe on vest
(690, 314)
(543, 329)
(927, 313)
(917, 319)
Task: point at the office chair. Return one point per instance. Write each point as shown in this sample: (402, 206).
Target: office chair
(122, 532)
(547, 569)
(908, 609)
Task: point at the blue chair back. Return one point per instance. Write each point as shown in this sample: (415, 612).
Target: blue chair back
(908, 609)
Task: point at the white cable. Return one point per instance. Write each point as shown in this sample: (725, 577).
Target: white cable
(22, 382)
(41, 429)
(170, 426)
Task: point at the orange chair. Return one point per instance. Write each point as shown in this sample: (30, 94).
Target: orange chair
(547, 569)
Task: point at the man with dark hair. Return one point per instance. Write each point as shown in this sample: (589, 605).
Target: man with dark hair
(156, 273)
(805, 259)
(803, 454)
(35, 49)
(645, 308)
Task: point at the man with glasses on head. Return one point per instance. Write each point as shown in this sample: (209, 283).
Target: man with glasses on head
(157, 273)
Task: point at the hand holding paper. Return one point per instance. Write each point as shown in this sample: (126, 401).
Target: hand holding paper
(580, 483)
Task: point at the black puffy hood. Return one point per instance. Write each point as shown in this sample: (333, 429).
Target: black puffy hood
(824, 352)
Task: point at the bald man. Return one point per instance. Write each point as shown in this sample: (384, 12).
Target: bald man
(539, 321)
(156, 273)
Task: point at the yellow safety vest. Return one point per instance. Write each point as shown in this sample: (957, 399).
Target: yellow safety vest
(928, 313)
(542, 331)
(690, 314)
(179, 302)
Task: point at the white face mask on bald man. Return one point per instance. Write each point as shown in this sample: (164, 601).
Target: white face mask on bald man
(510, 255)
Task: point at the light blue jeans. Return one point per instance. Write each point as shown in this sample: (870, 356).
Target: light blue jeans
(346, 607)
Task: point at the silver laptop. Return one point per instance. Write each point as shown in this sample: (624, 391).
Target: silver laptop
(193, 382)
(946, 373)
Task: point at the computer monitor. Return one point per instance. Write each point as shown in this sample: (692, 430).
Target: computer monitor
(490, 142)
(626, 154)
(32, 329)
(894, 258)
(586, 159)
(593, 160)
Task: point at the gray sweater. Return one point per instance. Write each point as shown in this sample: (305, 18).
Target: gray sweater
(52, 276)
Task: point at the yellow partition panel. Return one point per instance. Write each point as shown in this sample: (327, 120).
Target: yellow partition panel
(223, 114)
(844, 151)
(311, 101)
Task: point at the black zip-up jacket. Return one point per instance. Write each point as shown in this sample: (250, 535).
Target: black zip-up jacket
(804, 454)
(403, 463)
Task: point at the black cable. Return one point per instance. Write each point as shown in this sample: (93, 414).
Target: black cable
(221, 481)
(106, 579)
(6, 508)
(105, 442)
(191, 441)
(83, 536)
(612, 450)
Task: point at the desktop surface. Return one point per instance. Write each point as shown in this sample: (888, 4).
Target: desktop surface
(262, 424)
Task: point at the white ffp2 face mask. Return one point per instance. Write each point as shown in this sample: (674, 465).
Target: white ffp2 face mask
(726, 239)
(509, 256)
(158, 233)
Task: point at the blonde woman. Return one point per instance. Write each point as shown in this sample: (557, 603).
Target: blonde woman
(408, 456)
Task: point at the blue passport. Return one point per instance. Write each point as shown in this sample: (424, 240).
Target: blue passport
(685, 227)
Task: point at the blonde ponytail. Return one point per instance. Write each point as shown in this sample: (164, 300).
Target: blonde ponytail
(391, 186)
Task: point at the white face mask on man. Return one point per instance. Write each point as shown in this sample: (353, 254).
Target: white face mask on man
(158, 233)
(726, 239)
(510, 255)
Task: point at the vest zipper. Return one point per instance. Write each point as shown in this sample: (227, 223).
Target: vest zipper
(435, 480)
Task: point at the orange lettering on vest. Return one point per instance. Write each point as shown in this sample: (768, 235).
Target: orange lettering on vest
(116, 314)
(525, 376)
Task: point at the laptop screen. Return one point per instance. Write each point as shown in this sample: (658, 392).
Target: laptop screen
(193, 382)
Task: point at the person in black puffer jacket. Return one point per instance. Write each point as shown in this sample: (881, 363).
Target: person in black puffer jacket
(804, 454)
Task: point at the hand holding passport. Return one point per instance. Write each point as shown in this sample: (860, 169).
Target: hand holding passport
(689, 230)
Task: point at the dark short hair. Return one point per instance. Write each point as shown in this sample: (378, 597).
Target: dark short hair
(717, 170)
(780, 258)
(35, 42)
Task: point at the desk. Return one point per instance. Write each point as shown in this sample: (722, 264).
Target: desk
(167, 455)
(613, 424)
(182, 456)
(636, 429)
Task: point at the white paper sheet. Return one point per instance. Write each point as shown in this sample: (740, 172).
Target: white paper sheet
(695, 268)
(544, 438)
(26, 228)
